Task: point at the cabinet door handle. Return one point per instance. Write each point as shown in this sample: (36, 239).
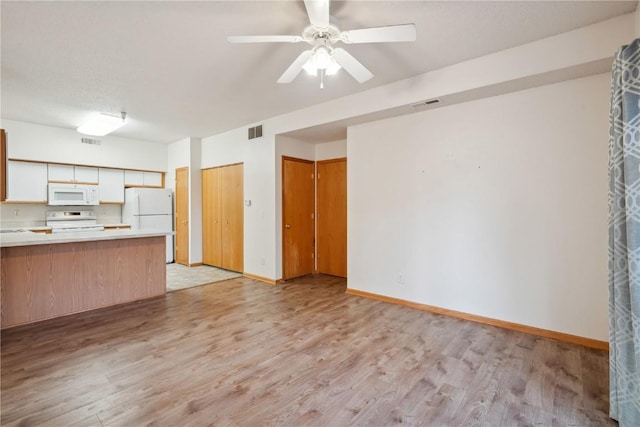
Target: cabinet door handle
(287, 226)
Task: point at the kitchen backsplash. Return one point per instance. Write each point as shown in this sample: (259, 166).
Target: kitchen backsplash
(15, 215)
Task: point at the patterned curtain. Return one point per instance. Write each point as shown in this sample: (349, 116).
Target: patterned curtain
(624, 237)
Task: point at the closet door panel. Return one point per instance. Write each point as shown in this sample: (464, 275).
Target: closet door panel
(211, 217)
(332, 217)
(232, 208)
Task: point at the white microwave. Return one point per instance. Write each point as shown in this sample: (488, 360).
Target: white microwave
(73, 195)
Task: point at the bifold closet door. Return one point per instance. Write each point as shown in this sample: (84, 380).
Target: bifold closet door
(211, 217)
(232, 209)
(223, 217)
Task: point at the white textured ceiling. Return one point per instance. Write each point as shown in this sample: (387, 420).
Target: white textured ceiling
(169, 66)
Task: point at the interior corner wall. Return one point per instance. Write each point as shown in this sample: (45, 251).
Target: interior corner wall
(331, 150)
(178, 156)
(195, 202)
(496, 207)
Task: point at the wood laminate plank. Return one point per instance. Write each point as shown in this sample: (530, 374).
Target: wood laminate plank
(242, 352)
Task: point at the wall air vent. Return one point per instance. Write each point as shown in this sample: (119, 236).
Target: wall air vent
(255, 132)
(427, 102)
(91, 141)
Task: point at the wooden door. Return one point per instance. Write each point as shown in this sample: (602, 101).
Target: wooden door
(3, 165)
(332, 217)
(211, 217)
(182, 215)
(232, 212)
(298, 227)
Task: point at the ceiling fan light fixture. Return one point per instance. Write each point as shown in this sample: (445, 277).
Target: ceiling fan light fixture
(310, 67)
(101, 124)
(333, 67)
(322, 34)
(321, 60)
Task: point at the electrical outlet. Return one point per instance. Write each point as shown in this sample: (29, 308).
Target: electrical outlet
(400, 278)
(261, 260)
(16, 212)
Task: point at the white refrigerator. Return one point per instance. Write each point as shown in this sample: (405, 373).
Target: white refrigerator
(150, 209)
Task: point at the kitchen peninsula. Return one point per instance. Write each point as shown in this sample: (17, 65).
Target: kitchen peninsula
(50, 275)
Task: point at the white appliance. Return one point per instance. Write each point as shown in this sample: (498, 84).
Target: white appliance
(72, 221)
(150, 209)
(73, 194)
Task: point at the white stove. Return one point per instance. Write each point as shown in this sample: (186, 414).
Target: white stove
(72, 221)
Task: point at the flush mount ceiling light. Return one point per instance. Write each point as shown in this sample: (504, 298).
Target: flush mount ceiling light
(101, 124)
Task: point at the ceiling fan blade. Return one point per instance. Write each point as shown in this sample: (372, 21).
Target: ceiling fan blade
(392, 33)
(352, 65)
(295, 68)
(264, 39)
(318, 11)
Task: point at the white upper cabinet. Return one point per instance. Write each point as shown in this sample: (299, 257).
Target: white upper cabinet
(152, 179)
(142, 179)
(73, 174)
(86, 174)
(62, 173)
(133, 178)
(26, 182)
(111, 182)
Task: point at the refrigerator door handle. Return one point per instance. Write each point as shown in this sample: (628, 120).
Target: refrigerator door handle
(136, 204)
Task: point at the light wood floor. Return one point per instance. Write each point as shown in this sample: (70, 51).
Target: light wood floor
(244, 353)
(182, 277)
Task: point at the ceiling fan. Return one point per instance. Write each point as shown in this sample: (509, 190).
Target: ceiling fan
(323, 58)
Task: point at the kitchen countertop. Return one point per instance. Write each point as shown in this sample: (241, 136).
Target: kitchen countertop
(38, 228)
(8, 240)
(46, 227)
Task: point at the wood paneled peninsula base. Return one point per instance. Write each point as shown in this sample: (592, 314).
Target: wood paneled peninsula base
(45, 278)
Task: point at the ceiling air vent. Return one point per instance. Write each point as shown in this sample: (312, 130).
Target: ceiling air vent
(428, 102)
(255, 132)
(91, 141)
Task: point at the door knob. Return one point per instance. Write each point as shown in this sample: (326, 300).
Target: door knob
(287, 226)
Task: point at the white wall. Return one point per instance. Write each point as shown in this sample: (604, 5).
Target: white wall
(331, 150)
(262, 159)
(178, 157)
(195, 202)
(257, 157)
(543, 58)
(534, 62)
(496, 207)
(28, 141)
(187, 153)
